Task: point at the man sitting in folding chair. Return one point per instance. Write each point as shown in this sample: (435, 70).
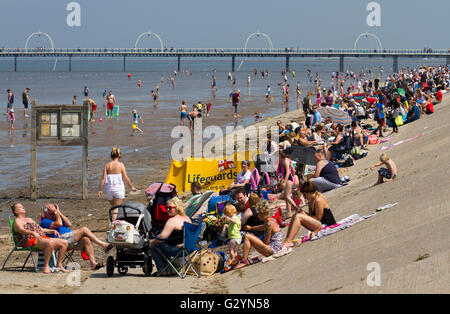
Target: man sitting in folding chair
(79, 239)
(30, 235)
(170, 242)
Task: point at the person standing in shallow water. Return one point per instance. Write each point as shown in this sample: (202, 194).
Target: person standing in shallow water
(114, 175)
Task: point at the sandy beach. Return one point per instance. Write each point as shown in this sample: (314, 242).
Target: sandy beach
(408, 241)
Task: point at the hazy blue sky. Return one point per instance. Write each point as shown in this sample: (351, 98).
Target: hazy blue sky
(226, 23)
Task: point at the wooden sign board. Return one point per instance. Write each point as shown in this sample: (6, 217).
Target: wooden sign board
(59, 125)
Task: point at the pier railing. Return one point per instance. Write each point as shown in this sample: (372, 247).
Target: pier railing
(222, 51)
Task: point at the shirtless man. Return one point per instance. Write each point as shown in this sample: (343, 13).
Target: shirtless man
(110, 103)
(183, 112)
(92, 108)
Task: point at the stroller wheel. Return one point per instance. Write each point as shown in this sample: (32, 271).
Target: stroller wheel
(110, 264)
(122, 270)
(148, 265)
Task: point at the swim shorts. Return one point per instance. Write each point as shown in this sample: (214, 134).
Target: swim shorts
(385, 173)
(110, 106)
(69, 237)
(25, 104)
(32, 241)
(183, 115)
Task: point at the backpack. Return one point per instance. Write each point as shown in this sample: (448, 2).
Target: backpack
(373, 139)
(348, 161)
(217, 202)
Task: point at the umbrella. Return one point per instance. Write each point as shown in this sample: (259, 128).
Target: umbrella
(401, 92)
(335, 115)
(302, 155)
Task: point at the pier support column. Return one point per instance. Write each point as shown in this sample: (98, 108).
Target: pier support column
(179, 63)
(341, 64)
(70, 63)
(232, 63)
(287, 63)
(395, 65)
(124, 63)
(15, 63)
(447, 60)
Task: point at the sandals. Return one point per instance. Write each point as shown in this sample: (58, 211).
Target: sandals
(284, 251)
(109, 248)
(98, 266)
(242, 263)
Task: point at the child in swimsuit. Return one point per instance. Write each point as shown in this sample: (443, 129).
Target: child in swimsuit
(389, 173)
(136, 118)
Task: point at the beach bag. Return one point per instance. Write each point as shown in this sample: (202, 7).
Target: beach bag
(216, 203)
(373, 139)
(124, 234)
(399, 120)
(209, 262)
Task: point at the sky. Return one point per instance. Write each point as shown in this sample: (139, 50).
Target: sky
(226, 23)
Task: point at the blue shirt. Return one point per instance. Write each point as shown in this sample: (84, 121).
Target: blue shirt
(379, 113)
(46, 223)
(416, 112)
(317, 118)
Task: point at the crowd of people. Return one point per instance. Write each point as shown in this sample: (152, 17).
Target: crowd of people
(249, 220)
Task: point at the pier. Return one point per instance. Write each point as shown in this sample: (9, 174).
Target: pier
(232, 53)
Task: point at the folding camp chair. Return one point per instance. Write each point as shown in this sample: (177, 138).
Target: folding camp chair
(190, 239)
(68, 258)
(18, 246)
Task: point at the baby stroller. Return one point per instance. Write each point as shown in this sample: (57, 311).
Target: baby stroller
(130, 235)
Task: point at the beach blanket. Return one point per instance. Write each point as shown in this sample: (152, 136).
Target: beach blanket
(401, 142)
(341, 225)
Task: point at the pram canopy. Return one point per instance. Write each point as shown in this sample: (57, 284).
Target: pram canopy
(131, 211)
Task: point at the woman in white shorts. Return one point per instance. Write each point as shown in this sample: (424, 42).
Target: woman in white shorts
(114, 174)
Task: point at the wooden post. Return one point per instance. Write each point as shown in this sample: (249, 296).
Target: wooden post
(33, 192)
(84, 157)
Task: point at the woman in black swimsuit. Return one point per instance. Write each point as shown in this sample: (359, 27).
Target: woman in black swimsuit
(287, 181)
(319, 214)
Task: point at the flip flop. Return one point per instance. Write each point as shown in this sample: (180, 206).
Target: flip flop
(242, 263)
(98, 266)
(283, 251)
(109, 248)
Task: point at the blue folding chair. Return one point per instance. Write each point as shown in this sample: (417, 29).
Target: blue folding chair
(190, 238)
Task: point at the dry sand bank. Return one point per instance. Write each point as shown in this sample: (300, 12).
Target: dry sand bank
(395, 238)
